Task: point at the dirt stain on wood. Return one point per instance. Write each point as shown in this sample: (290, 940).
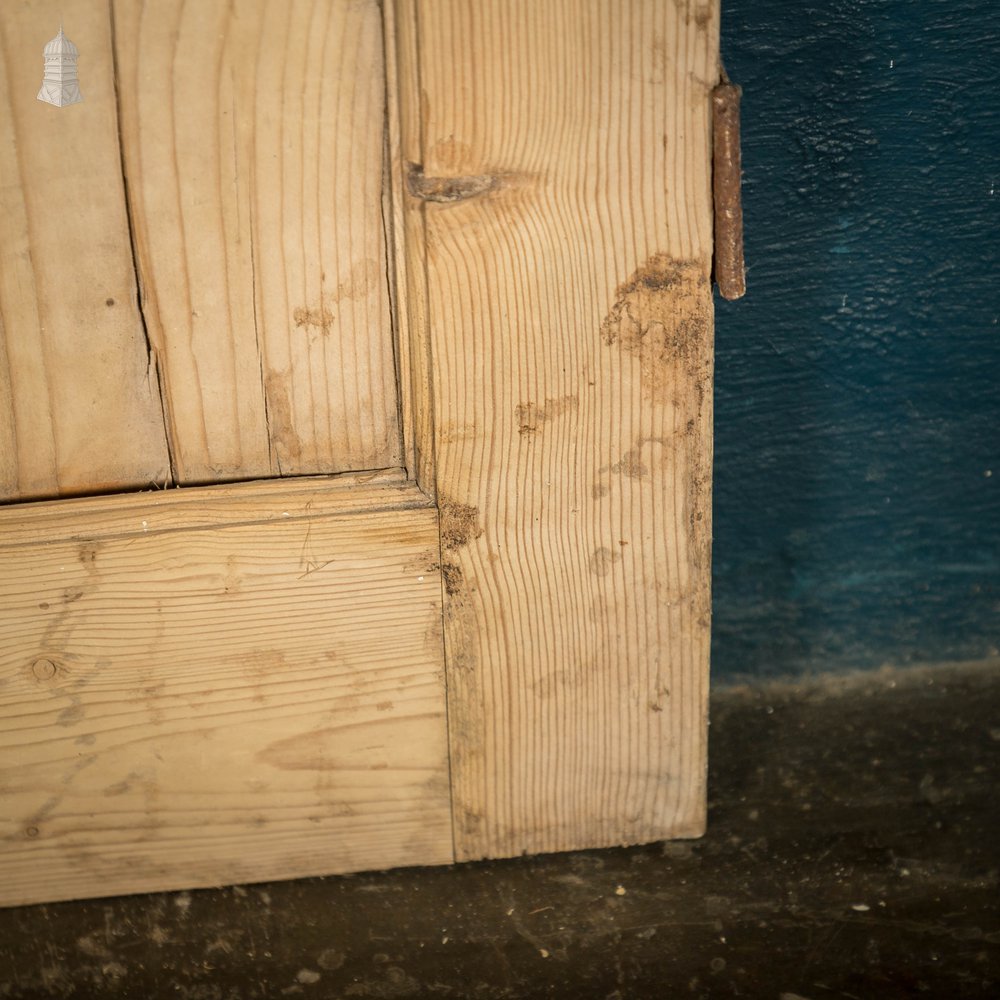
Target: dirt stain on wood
(87, 554)
(662, 315)
(459, 524)
(602, 560)
(281, 428)
(451, 574)
(530, 416)
(73, 714)
(699, 13)
(631, 465)
(319, 317)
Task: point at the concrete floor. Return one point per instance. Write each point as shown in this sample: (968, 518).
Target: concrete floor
(853, 851)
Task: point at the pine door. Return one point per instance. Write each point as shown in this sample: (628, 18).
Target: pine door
(355, 436)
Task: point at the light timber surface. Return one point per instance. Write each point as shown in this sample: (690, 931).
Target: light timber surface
(79, 402)
(563, 179)
(254, 151)
(223, 703)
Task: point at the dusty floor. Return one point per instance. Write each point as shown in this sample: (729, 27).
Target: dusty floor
(853, 851)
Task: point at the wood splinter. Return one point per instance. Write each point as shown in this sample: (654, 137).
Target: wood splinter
(730, 273)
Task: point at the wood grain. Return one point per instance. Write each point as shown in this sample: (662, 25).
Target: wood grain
(564, 180)
(197, 706)
(208, 506)
(253, 138)
(79, 406)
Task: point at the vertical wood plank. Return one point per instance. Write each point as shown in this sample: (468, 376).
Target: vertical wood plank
(79, 403)
(565, 186)
(254, 135)
(403, 108)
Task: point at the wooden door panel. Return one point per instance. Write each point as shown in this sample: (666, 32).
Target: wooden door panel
(231, 156)
(248, 687)
(253, 136)
(79, 404)
(235, 683)
(561, 175)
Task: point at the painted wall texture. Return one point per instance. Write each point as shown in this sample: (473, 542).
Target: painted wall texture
(857, 489)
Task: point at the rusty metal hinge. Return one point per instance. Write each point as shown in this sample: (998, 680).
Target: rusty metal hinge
(730, 270)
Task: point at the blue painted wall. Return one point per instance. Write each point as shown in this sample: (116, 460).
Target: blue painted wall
(857, 487)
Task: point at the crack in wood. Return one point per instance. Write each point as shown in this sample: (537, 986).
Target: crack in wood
(153, 367)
